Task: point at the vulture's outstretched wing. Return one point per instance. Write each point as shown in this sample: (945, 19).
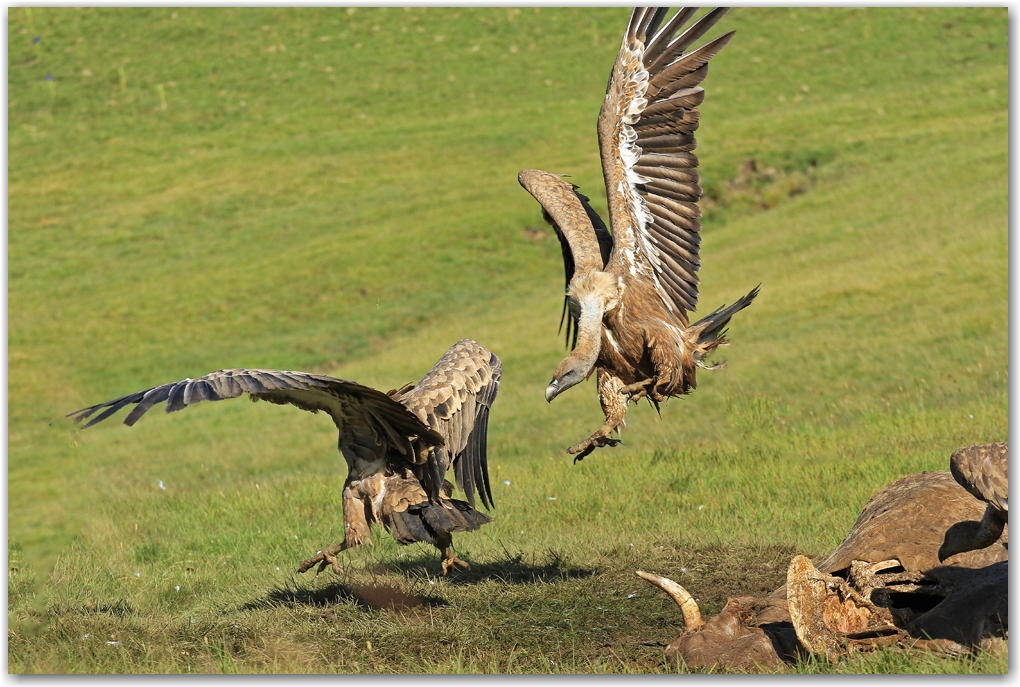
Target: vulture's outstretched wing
(646, 135)
(984, 472)
(454, 399)
(337, 397)
(575, 222)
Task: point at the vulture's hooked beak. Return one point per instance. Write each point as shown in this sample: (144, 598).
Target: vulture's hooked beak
(552, 391)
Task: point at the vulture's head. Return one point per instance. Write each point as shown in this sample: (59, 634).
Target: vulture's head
(591, 294)
(569, 372)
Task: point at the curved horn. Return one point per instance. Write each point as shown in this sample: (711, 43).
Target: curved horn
(688, 606)
(559, 199)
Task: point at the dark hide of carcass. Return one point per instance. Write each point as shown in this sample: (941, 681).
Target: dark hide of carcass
(882, 585)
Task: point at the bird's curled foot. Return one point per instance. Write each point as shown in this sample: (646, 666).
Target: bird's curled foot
(638, 390)
(597, 440)
(450, 561)
(326, 557)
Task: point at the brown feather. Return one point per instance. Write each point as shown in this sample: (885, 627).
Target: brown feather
(682, 160)
(686, 39)
(984, 471)
(670, 142)
(679, 175)
(663, 100)
(660, 41)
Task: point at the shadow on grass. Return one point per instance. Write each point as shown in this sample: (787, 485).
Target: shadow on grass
(368, 597)
(511, 570)
(382, 596)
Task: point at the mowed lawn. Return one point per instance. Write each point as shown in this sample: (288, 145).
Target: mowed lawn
(334, 190)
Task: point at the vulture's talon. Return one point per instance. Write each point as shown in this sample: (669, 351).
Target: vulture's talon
(637, 395)
(450, 562)
(580, 456)
(638, 390)
(325, 558)
(590, 444)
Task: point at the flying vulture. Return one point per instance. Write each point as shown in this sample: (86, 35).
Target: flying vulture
(984, 472)
(398, 445)
(628, 293)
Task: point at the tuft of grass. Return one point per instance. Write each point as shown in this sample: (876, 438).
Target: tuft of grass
(334, 190)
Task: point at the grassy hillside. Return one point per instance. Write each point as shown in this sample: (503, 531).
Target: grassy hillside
(335, 190)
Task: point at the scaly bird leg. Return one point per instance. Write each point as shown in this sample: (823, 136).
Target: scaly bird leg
(444, 542)
(596, 440)
(327, 556)
(356, 530)
(614, 406)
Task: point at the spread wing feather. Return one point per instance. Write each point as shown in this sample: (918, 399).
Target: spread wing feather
(307, 391)
(454, 399)
(574, 221)
(646, 135)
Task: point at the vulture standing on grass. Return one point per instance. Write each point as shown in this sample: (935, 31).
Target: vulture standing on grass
(628, 294)
(398, 445)
(984, 472)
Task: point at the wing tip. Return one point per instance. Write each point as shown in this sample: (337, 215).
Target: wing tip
(533, 179)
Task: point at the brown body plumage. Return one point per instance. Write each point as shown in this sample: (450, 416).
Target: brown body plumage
(628, 293)
(398, 445)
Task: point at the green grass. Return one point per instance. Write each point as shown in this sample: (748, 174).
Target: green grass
(323, 195)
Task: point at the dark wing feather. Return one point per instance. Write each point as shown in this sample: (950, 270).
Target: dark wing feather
(312, 392)
(476, 451)
(574, 221)
(984, 472)
(454, 399)
(646, 132)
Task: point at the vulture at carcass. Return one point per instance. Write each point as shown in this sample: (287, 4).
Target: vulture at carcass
(984, 472)
(398, 445)
(628, 293)
(885, 584)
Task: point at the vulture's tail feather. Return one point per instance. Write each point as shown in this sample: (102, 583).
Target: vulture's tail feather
(711, 329)
(422, 522)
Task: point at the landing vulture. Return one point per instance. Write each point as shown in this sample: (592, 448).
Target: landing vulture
(628, 293)
(398, 445)
(984, 472)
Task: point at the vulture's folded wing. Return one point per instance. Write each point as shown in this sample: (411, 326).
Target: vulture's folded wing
(984, 471)
(313, 392)
(454, 399)
(576, 223)
(646, 136)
